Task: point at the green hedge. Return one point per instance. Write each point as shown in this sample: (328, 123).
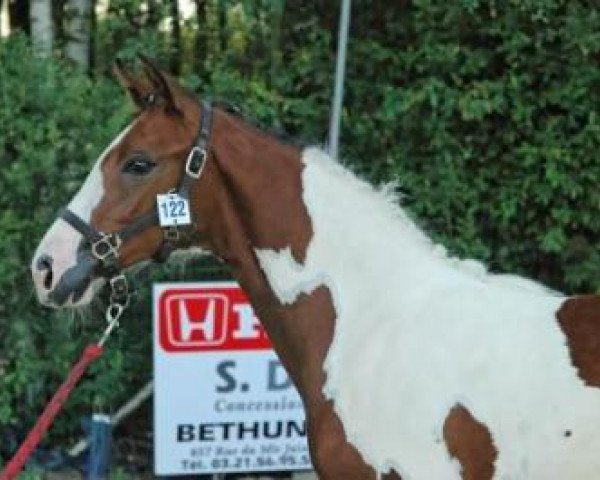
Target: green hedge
(53, 123)
(486, 113)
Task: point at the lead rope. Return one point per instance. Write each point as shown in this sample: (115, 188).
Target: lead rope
(93, 351)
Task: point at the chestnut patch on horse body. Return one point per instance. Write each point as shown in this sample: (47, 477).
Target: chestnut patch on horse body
(263, 176)
(579, 319)
(471, 443)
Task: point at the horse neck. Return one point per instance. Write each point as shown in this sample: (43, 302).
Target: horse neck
(258, 205)
(263, 180)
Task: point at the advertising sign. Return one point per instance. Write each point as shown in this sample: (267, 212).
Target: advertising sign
(223, 402)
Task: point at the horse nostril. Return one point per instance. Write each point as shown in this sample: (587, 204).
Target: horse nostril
(44, 265)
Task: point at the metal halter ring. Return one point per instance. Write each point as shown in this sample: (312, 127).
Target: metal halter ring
(119, 288)
(119, 298)
(114, 312)
(195, 162)
(106, 247)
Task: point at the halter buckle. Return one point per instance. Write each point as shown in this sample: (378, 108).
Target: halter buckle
(171, 234)
(119, 298)
(194, 164)
(107, 247)
(119, 288)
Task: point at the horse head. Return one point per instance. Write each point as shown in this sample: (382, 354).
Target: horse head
(113, 220)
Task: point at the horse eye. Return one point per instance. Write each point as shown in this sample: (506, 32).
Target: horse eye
(138, 166)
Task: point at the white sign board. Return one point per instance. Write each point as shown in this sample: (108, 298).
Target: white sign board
(223, 402)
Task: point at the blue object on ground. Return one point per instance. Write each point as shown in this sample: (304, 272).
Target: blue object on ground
(100, 440)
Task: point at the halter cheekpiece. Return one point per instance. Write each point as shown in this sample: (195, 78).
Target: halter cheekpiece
(104, 247)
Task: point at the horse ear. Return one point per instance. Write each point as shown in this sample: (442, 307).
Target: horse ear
(134, 86)
(160, 82)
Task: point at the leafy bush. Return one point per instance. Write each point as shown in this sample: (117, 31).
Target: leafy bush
(49, 137)
(487, 114)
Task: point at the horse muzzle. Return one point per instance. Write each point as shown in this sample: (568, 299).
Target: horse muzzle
(71, 287)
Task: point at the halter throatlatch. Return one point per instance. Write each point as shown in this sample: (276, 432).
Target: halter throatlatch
(100, 256)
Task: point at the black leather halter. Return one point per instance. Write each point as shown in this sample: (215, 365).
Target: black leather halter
(102, 249)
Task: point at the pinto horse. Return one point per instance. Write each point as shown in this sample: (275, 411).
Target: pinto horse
(411, 364)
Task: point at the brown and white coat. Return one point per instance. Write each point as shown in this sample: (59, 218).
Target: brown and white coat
(410, 363)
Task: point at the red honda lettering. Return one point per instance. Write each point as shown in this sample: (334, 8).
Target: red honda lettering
(209, 318)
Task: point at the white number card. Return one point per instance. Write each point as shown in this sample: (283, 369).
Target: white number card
(173, 209)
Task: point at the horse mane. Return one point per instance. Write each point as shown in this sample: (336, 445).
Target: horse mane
(386, 201)
(277, 133)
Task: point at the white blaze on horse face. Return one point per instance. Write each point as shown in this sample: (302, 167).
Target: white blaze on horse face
(61, 242)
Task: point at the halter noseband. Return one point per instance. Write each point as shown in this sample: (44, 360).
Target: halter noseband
(104, 247)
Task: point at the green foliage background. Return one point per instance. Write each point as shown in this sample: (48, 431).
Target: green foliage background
(486, 113)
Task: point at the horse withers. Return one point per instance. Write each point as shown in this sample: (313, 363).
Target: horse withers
(411, 364)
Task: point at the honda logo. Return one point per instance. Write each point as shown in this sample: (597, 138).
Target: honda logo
(209, 317)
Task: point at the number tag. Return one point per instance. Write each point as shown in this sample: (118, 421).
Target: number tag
(173, 209)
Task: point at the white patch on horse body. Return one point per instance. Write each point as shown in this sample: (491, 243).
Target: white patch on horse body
(418, 332)
(284, 272)
(62, 240)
